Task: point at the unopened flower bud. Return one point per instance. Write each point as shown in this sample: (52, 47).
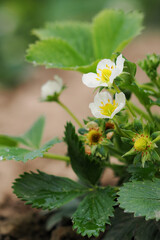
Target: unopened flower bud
(91, 124)
(51, 89)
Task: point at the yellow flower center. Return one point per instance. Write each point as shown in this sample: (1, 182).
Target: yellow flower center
(105, 74)
(108, 108)
(94, 136)
(141, 144)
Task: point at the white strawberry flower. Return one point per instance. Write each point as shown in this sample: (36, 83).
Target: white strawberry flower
(52, 88)
(104, 107)
(107, 71)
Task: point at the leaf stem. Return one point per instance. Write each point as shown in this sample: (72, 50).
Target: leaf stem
(70, 113)
(57, 157)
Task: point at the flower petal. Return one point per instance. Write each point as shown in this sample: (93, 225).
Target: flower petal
(58, 80)
(49, 89)
(103, 65)
(90, 80)
(120, 98)
(95, 111)
(104, 97)
(120, 64)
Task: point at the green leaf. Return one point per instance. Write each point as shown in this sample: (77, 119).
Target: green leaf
(57, 53)
(7, 141)
(141, 173)
(77, 34)
(93, 212)
(65, 211)
(113, 30)
(21, 154)
(141, 198)
(32, 138)
(79, 46)
(46, 191)
(125, 226)
(87, 168)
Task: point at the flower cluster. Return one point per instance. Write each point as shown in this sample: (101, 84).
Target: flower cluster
(103, 105)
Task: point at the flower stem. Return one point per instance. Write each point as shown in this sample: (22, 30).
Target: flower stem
(56, 157)
(140, 111)
(118, 129)
(127, 103)
(70, 113)
(149, 88)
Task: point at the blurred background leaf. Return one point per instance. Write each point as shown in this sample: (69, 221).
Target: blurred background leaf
(17, 18)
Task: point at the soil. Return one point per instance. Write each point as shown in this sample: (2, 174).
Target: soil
(19, 109)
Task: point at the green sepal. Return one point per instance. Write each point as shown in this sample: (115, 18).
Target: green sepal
(82, 131)
(127, 140)
(130, 152)
(137, 158)
(138, 126)
(154, 155)
(145, 157)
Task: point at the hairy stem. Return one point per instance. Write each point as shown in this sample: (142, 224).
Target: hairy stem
(140, 111)
(57, 157)
(70, 113)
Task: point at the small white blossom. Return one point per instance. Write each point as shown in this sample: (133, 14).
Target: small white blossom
(51, 87)
(107, 71)
(104, 107)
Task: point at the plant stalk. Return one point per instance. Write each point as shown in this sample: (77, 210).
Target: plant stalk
(70, 113)
(57, 157)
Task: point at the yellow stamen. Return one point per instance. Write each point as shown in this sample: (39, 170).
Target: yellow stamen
(108, 108)
(141, 144)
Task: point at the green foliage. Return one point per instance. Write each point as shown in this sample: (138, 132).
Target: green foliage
(75, 46)
(7, 141)
(93, 212)
(32, 138)
(127, 81)
(21, 154)
(125, 226)
(86, 167)
(141, 198)
(46, 191)
(78, 35)
(113, 30)
(150, 65)
(65, 211)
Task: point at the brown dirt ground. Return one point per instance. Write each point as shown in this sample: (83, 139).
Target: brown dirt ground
(21, 107)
